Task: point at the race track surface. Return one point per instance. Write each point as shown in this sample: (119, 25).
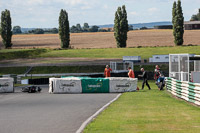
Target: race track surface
(47, 113)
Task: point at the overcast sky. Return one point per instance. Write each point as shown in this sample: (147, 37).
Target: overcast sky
(45, 13)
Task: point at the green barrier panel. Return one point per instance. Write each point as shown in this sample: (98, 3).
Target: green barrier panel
(191, 84)
(178, 87)
(189, 93)
(95, 85)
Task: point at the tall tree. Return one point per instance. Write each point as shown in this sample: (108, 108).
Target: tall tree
(6, 28)
(179, 25)
(121, 27)
(117, 29)
(124, 26)
(64, 29)
(173, 17)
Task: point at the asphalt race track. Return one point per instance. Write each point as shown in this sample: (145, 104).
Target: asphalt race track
(47, 113)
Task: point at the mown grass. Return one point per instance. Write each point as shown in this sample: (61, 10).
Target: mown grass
(147, 112)
(67, 69)
(144, 52)
(20, 53)
(52, 69)
(12, 70)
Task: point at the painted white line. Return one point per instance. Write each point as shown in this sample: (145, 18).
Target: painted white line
(91, 118)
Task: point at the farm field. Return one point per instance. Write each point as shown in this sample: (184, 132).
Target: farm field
(147, 112)
(104, 39)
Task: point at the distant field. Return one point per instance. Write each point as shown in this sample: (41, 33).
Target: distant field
(105, 39)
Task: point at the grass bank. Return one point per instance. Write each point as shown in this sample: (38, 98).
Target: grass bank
(66, 69)
(144, 52)
(69, 69)
(12, 70)
(147, 112)
(20, 53)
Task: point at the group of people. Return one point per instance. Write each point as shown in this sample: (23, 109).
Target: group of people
(159, 78)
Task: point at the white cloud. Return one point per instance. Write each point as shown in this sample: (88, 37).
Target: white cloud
(35, 2)
(153, 9)
(196, 10)
(71, 2)
(105, 6)
(44, 13)
(134, 13)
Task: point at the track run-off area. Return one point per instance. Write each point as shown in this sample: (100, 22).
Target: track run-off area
(142, 111)
(47, 113)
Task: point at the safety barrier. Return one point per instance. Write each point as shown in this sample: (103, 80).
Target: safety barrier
(65, 85)
(184, 90)
(92, 85)
(6, 85)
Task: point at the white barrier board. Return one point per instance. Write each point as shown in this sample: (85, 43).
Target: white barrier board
(121, 84)
(65, 85)
(6, 85)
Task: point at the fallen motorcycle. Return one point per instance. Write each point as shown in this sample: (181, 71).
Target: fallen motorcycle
(31, 89)
(160, 82)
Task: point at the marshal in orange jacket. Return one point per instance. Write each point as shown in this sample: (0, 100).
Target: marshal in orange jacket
(107, 72)
(131, 74)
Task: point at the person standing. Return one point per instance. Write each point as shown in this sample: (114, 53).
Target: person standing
(131, 74)
(107, 71)
(145, 78)
(156, 72)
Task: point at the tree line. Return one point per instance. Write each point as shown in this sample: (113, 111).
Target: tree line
(196, 17)
(121, 27)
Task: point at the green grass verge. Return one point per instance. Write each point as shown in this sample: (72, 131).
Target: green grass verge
(20, 53)
(144, 52)
(67, 69)
(12, 70)
(147, 112)
(19, 85)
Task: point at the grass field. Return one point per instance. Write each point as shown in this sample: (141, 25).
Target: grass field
(20, 53)
(105, 39)
(12, 70)
(109, 53)
(144, 52)
(52, 69)
(147, 112)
